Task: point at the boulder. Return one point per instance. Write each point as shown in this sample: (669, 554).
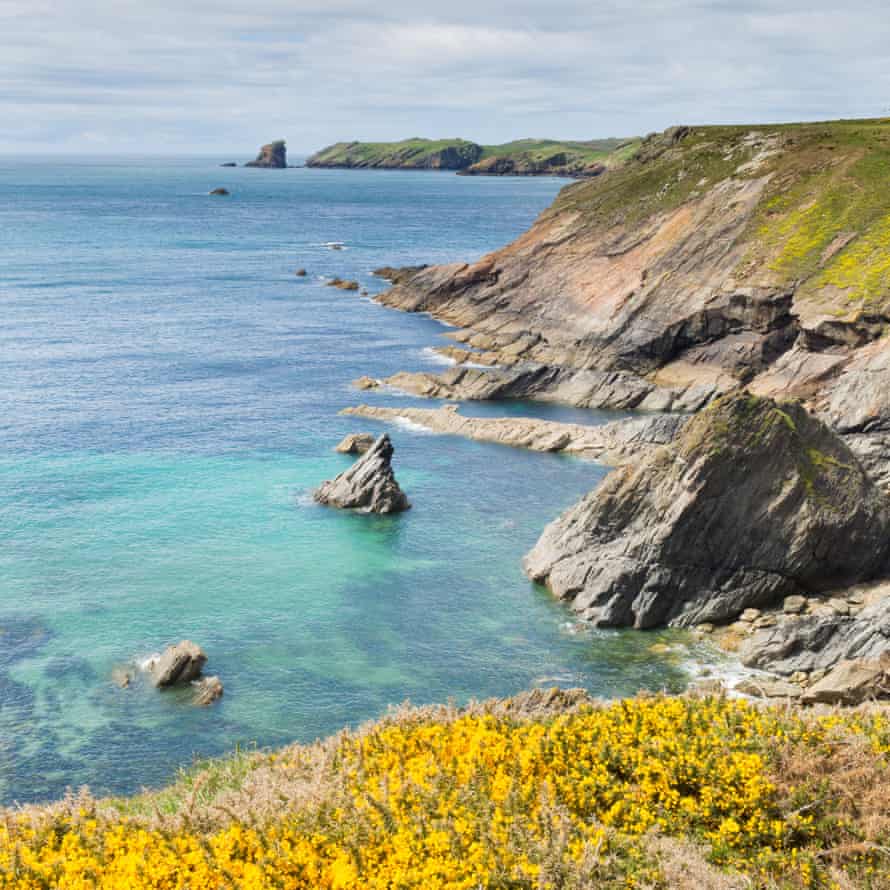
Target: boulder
(851, 682)
(178, 664)
(300, 273)
(366, 383)
(272, 155)
(368, 485)
(220, 191)
(207, 691)
(753, 502)
(229, 164)
(355, 443)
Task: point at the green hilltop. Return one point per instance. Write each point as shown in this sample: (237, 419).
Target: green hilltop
(518, 158)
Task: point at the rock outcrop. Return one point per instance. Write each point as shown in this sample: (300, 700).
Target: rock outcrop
(713, 257)
(178, 664)
(822, 637)
(207, 691)
(755, 501)
(355, 443)
(610, 443)
(369, 485)
(273, 155)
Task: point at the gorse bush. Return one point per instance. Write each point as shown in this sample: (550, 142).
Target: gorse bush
(649, 792)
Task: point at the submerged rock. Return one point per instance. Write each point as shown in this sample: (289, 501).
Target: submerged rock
(207, 691)
(355, 443)
(178, 664)
(272, 155)
(368, 485)
(754, 501)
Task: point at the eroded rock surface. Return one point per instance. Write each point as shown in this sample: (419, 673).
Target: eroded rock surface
(611, 443)
(178, 664)
(355, 443)
(755, 501)
(368, 485)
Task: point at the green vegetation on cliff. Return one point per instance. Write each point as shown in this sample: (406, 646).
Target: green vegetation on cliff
(522, 157)
(822, 224)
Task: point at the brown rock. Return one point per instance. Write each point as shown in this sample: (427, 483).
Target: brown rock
(207, 691)
(366, 383)
(850, 683)
(355, 443)
(181, 663)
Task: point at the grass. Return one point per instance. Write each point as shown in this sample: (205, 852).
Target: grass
(548, 790)
(417, 152)
(822, 225)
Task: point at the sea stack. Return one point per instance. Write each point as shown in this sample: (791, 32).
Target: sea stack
(369, 485)
(273, 155)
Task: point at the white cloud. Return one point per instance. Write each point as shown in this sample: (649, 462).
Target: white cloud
(162, 75)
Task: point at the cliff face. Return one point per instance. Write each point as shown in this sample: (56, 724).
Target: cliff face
(754, 501)
(273, 155)
(714, 256)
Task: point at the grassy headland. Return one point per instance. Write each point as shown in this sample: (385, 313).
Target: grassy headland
(548, 790)
(522, 157)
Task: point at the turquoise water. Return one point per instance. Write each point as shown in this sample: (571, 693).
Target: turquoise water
(170, 394)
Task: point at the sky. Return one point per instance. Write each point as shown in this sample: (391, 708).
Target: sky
(220, 78)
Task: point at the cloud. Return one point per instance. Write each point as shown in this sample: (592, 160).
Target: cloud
(220, 77)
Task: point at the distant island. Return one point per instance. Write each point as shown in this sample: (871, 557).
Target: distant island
(524, 157)
(273, 155)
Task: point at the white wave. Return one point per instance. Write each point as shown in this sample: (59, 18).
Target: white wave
(436, 358)
(412, 426)
(305, 499)
(334, 245)
(147, 662)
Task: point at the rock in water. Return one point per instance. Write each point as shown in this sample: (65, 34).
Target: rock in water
(368, 485)
(272, 155)
(181, 663)
(754, 501)
(220, 191)
(355, 443)
(207, 691)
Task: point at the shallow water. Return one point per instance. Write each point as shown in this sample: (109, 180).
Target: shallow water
(170, 393)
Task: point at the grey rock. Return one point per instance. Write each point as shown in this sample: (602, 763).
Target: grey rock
(814, 642)
(181, 663)
(753, 502)
(355, 443)
(794, 605)
(368, 485)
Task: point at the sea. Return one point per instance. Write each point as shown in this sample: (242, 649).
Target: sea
(169, 398)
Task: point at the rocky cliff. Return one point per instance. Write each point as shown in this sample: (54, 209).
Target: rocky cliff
(712, 257)
(754, 501)
(273, 155)
(409, 154)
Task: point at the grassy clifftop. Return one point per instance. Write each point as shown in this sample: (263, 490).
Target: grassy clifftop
(549, 790)
(822, 224)
(522, 157)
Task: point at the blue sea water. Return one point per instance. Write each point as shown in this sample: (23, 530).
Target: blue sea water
(169, 393)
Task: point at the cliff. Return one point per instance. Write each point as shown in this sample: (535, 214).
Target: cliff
(713, 256)
(273, 155)
(525, 157)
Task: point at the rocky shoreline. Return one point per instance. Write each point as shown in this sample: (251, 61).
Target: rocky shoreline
(668, 285)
